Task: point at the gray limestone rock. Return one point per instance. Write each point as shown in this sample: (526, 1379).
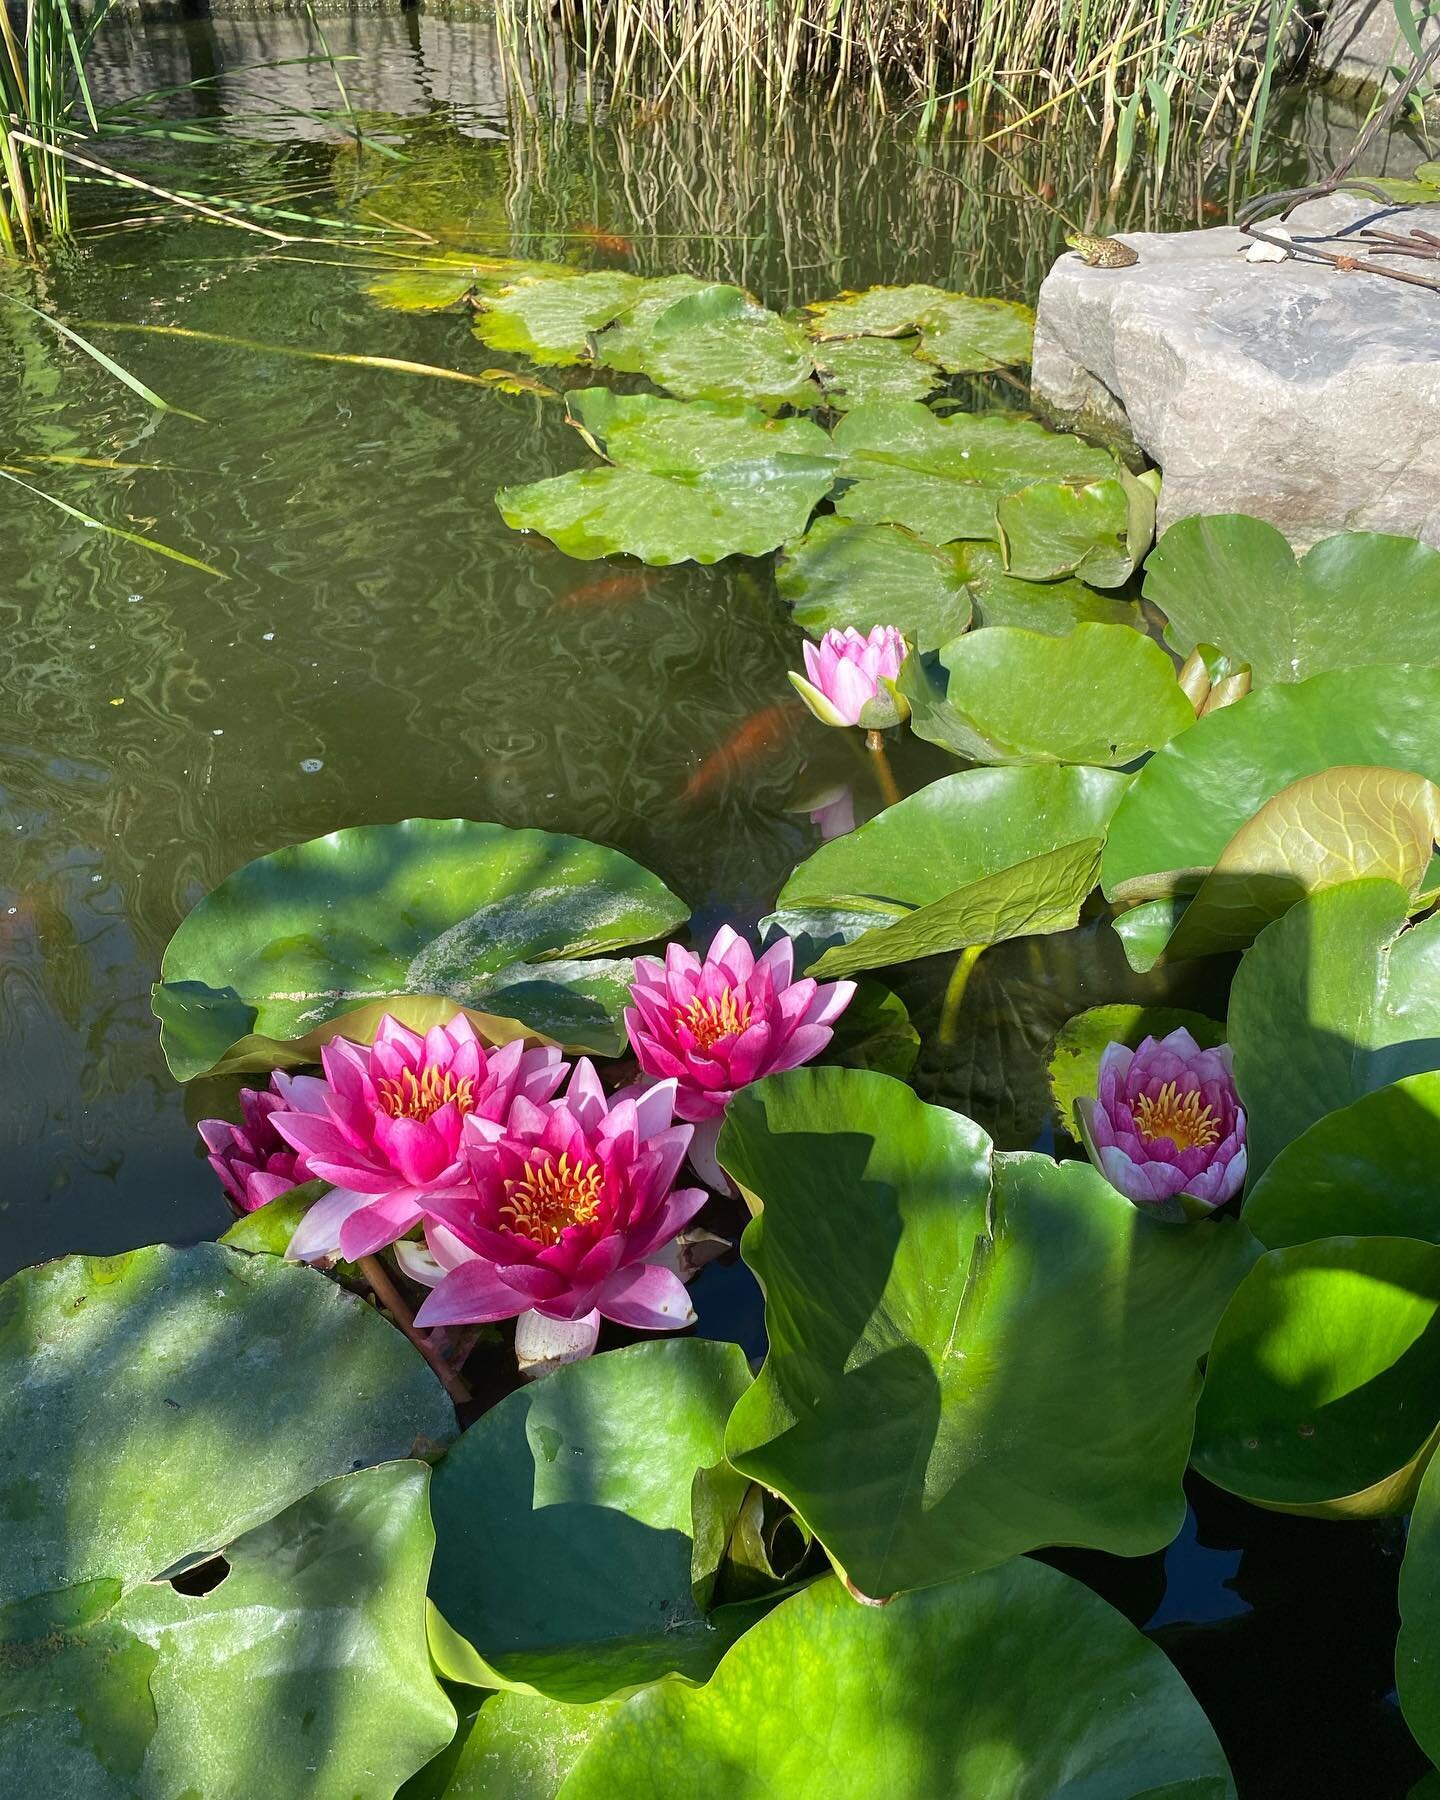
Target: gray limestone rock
(1361, 44)
(1297, 392)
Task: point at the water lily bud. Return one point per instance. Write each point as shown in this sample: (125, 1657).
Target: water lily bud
(252, 1160)
(1194, 679)
(848, 678)
(1227, 692)
(1166, 1126)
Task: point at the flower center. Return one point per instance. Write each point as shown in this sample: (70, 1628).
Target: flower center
(1182, 1118)
(546, 1198)
(405, 1097)
(711, 1020)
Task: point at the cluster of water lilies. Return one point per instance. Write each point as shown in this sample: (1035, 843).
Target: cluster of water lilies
(559, 1208)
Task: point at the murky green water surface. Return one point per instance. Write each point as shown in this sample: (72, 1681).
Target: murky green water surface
(382, 646)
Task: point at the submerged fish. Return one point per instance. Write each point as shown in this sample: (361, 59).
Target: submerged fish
(607, 240)
(763, 731)
(611, 590)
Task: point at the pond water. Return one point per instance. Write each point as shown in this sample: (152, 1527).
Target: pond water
(382, 646)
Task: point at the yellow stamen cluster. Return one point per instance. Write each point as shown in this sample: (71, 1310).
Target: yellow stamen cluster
(1182, 1118)
(405, 1097)
(711, 1020)
(549, 1197)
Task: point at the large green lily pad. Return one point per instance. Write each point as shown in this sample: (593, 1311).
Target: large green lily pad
(1194, 794)
(964, 335)
(980, 856)
(551, 321)
(860, 370)
(290, 948)
(1367, 1169)
(1055, 607)
(1337, 826)
(157, 1404)
(686, 437)
(1357, 598)
(840, 574)
(1320, 1389)
(565, 1536)
(1018, 1684)
(942, 478)
(970, 1356)
(1097, 529)
(1334, 1000)
(655, 310)
(717, 344)
(1103, 694)
(305, 1670)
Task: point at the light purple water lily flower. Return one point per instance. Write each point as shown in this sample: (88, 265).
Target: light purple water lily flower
(384, 1126)
(1166, 1126)
(566, 1220)
(845, 676)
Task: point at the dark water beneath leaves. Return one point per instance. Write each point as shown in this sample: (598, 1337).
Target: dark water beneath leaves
(382, 646)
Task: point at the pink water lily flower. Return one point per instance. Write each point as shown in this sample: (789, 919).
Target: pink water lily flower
(254, 1163)
(845, 675)
(385, 1126)
(570, 1208)
(1166, 1126)
(717, 1025)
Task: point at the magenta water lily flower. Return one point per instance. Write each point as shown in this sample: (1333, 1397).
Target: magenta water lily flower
(255, 1164)
(385, 1124)
(717, 1025)
(845, 676)
(1166, 1126)
(568, 1213)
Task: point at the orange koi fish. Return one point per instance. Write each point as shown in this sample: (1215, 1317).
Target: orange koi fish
(607, 240)
(760, 734)
(611, 590)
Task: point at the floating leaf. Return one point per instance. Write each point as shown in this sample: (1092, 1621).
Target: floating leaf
(1358, 598)
(1096, 529)
(941, 478)
(268, 1230)
(328, 934)
(1055, 607)
(1194, 794)
(874, 1032)
(1019, 1682)
(1103, 694)
(551, 321)
(315, 1635)
(159, 1403)
(421, 290)
(1320, 1389)
(757, 356)
(963, 334)
(1367, 1170)
(586, 1480)
(1417, 1676)
(865, 369)
(1324, 829)
(984, 855)
(687, 437)
(1334, 1000)
(668, 305)
(1083, 1040)
(839, 575)
(508, 381)
(918, 1312)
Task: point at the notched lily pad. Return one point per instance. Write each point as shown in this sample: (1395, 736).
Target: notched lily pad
(962, 334)
(841, 575)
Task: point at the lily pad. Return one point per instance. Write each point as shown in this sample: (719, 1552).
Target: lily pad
(627, 340)
(923, 1298)
(286, 950)
(716, 343)
(1103, 694)
(551, 321)
(1358, 598)
(1324, 829)
(1083, 1040)
(1055, 607)
(864, 369)
(874, 1032)
(839, 575)
(268, 1230)
(980, 856)
(157, 1404)
(1018, 1684)
(942, 478)
(1334, 1000)
(964, 335)
(1417, 1654)
(1097, 529)
(1320, 1389)
(586, 1481)
(1194, 794)
(1367, 1169)
(314, 1636)
(687, 437)
(743, 508)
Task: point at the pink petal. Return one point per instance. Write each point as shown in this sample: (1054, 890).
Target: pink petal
(647, 1297)
(473, 1294)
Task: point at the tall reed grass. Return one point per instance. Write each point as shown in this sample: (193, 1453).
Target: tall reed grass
(1160, 63)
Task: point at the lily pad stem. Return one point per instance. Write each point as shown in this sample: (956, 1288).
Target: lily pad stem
(390, 1297)
(875, 744)
(955, 992)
